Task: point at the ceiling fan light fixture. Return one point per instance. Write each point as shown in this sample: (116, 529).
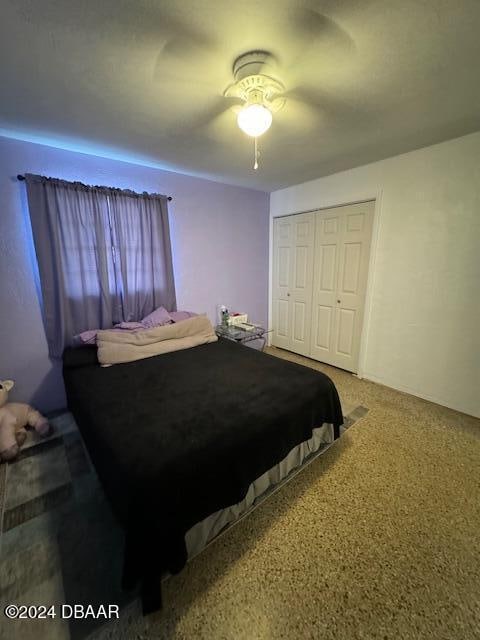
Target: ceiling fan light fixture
(254, 120)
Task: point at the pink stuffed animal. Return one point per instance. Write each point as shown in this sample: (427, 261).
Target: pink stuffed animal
(14, 417)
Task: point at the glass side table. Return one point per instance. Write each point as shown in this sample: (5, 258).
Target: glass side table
(241, 335)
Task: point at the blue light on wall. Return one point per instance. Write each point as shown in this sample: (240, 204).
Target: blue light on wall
(88, 148)
(30, 246)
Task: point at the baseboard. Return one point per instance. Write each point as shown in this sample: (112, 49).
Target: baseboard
(413, 392)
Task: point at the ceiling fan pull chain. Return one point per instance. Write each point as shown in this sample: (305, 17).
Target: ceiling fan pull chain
(255, 165)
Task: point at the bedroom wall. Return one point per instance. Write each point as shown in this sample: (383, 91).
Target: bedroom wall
(219, 239)
(422, 330)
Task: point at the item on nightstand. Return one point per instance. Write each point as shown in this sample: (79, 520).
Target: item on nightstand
(14, 417)
(246, 326)
(224, 316)
(243, 333)
(237, 318)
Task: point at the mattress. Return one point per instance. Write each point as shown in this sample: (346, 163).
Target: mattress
(203, 533)
(178, 437)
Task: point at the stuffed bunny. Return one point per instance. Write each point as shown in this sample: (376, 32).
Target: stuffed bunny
(14, 417)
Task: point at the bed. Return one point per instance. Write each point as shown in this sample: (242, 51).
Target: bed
(185, 443)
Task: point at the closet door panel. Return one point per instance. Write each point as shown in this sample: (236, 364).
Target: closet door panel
(323, 327)
(302, 280)
(352, 283)
(282, 319)
(293, 244)
(346, 323)
(283, 253)
(327, 234)
(342, 252)
(299, 322)
(352, 252)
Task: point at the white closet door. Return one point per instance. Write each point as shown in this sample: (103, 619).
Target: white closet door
(282, 260)
(293, 244)
(342, 254)
(328, 240)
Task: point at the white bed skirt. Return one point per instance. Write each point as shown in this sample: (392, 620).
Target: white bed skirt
(201, 534)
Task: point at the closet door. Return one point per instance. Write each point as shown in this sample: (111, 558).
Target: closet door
(282, 281)
(328, 240)
(293, 243)
(342, 254)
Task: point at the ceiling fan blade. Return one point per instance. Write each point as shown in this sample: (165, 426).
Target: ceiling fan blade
(316, 30)
(180, 46)
(314, 25)
(310, 21)
(223, 127)
(325, 105)
(296, 118)
(209, 119)
(174, 63)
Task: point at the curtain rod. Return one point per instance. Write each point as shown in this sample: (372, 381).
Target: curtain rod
(20, 177)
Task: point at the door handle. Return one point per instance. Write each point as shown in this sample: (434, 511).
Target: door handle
(339, 301)
(288, 294)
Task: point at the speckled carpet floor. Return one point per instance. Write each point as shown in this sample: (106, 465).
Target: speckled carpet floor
(377, 538)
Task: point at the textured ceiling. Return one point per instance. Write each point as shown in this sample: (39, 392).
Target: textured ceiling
(368, 79)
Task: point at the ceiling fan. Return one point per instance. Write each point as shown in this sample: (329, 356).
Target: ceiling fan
(260, 92)
(288, 90)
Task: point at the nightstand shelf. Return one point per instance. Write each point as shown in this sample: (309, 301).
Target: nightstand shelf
(240, 335)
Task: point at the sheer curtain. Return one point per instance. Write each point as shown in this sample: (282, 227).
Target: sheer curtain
(104, 256)
(143, 253)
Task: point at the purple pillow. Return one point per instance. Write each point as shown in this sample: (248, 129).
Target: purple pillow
(86, 337)
(90, 337)
(129, 326)
(157, 318)
(178, 316)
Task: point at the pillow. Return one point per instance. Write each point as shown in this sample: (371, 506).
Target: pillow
(116, 347)
(86, 337)
(129, 326)
(90, 337)
(178, 316)
(157, 318)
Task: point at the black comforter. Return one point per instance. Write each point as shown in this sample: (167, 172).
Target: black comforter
(178, 436)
